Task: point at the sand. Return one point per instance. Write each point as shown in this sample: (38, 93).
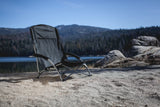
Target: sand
(127, 87)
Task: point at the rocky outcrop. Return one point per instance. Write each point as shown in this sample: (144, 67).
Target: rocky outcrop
(146, 48)
(136, 50)
(152, 56)
(110, 57)
(143, 44)
(145, 41)
(128, 62)
(116, 59)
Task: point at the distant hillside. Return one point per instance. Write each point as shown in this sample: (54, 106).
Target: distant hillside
(81, 40)
(68, 31)
(76, 31)
(12, 31)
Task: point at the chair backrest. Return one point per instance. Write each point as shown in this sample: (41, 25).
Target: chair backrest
(46, 42)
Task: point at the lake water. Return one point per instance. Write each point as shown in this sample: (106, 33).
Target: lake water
(28, 59)
(27, 64)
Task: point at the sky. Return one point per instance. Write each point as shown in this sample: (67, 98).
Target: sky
(113, 14)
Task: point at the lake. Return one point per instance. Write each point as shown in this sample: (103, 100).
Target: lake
(28, 59)
(27, 64)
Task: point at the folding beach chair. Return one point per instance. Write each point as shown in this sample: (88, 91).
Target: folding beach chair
(49, 51)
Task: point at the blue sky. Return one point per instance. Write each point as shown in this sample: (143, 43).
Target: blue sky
(112, 14)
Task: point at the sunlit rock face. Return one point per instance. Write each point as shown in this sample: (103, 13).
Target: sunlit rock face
(146, 48)
(110, 57)
(145, 41)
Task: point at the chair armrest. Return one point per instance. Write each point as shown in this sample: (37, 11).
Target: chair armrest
(39, 55)
(73, 55)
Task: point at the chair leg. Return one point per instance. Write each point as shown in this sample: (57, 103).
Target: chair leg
(65, 78)
(39, 73)
(60, 75)
(89, 72)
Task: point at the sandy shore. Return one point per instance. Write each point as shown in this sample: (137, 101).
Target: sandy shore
(129, 87)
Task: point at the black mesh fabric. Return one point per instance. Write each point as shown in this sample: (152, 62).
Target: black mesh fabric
(47, 43)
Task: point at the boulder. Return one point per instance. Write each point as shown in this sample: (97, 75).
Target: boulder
(110, 57)
(145, 41)
(140, 49)
(146, 48)
(152, 55)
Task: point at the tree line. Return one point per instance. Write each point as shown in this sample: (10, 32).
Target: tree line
(97, 43)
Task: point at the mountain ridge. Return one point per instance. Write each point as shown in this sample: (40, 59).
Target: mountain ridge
(63, 29)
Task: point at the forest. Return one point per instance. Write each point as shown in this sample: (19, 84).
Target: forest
(81, 40)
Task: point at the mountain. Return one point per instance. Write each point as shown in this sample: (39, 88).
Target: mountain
(64, 30)
(13, 31)
(78, 39)
(76, 31)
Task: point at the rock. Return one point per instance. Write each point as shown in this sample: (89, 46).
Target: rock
(110, 57)
(116, 59)
(140, 49)
(152, 55)
(145, 41)
(128, 62)
(145, 48)
(145, 51)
